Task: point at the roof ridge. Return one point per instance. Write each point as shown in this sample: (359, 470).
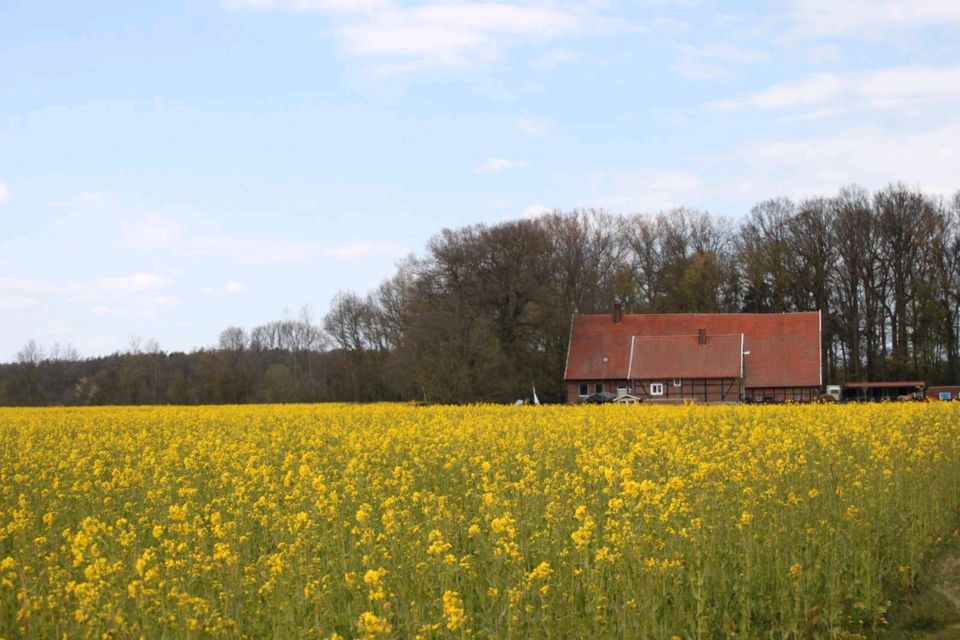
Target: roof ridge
(691, 335)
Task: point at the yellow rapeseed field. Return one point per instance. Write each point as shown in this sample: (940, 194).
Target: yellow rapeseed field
(481, 521)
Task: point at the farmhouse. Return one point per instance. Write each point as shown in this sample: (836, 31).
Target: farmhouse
(707, 357)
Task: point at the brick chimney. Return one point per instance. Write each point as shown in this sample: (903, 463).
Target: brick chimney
(702, 336)
(617, 311)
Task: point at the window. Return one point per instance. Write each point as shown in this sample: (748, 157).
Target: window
(944, 395)
(656, 388)
(677, 382)
(598, 388)
(583, 389)
(621, 391)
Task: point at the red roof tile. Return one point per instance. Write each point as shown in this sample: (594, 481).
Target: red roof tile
(684, 357)
(784, 348)
(885, 384)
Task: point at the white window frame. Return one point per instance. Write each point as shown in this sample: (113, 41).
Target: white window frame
(622, 390)
(678, 382)
(656, 388)
(583, 389)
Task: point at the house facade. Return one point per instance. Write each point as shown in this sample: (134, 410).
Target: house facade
(705, 357)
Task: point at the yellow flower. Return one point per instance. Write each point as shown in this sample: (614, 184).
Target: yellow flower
(541, 572)
(372, 625)
(453, 611)
(374, 576)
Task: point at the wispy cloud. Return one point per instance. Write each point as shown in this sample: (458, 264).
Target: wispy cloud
(16, 302)
(535, 210)
(555, 58)
(334, 6)
(399, 39)
(533, 126)
(366, 248)
(496, 165)
(643, 189)
(231, 287)
(871, 18)
(137, 296)
(877, 88)
(500, 204)
(4, 193)
(138, 283)
(869, 155)
(161, 233)
(717, 61)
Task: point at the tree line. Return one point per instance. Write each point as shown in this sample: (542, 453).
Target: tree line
(484, 313)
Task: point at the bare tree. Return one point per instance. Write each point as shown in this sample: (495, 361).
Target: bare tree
(233, 339)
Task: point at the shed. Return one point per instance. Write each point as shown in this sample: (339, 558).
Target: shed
(943, 392)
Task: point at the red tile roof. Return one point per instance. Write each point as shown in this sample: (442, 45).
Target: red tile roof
(684, 357)
(784, 348)
(885, 384)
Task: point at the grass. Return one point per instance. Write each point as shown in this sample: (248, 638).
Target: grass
(932, 610)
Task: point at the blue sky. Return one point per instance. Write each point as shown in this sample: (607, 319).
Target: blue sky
(168, 169)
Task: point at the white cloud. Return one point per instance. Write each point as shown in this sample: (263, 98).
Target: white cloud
(365, 248)
(553, 59)
(138, 283)
(161, 301)
(815, 89)
(500, 204)
(448, 46)
(4, 193)
(877, 88)
(101, 344)
(871, 156)
(535, 210)
(134, 296)
(230, 287)
(128, 284)
(533, 126)
(400, 39)
(716, 62)
(644, 189)
(160, 233)
(871, 19)
(16, 302)
(334, 6)
(24, 285)
(495, 165)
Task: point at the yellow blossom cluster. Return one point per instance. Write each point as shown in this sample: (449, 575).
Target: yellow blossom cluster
(383, 521)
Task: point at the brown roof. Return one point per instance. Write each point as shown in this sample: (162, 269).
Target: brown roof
(784, 348)
(684, 357)
(886, 384)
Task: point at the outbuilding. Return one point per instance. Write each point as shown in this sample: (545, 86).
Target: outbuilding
(949, 392)
(706, 357)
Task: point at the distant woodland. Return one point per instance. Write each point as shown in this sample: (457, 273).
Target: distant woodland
(484, 312)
